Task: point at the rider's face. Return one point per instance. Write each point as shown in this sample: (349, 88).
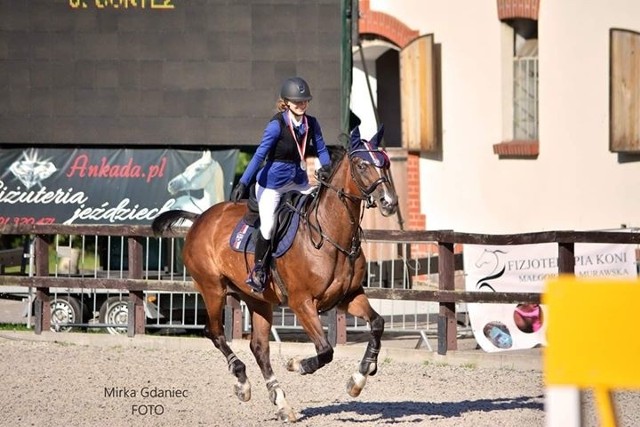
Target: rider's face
(298, 107)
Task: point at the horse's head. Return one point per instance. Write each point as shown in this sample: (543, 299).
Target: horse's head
(371, 174)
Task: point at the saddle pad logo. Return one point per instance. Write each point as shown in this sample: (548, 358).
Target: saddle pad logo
(239, 237)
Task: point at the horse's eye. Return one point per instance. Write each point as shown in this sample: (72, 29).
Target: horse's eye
(362, 166)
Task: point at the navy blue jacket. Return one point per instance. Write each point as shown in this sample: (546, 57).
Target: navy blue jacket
(280, 155)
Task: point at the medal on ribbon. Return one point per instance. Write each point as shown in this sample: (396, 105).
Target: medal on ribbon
(301, 145)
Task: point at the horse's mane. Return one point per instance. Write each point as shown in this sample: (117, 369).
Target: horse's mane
(336, 152)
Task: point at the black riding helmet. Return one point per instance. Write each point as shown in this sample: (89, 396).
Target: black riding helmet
(295, 89)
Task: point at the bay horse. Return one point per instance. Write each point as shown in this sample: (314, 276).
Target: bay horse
(324, 268)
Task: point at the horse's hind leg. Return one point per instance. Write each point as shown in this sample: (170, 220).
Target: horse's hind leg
(360, 307)
(214, 299)
(261, 321)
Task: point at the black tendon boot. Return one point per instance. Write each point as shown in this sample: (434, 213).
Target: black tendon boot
(260, 274)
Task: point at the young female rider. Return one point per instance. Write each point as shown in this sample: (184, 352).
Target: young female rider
(289, 137)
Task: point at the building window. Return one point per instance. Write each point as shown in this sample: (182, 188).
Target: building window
(520, 89)
(525, 90)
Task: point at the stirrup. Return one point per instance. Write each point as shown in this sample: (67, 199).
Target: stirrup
(257, 279)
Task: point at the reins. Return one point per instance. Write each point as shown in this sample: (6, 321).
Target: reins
(354, 251)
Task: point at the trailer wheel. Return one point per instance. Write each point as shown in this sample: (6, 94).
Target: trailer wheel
(64, 310)
(115, 310)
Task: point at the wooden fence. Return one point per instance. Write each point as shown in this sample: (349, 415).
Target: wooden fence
(446, 294)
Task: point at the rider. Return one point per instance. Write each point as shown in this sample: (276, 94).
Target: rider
(290, 136)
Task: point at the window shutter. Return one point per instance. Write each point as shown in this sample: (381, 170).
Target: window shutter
(624, 91)
(417, 94)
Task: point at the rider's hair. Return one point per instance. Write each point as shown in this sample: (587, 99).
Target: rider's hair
(281, 105)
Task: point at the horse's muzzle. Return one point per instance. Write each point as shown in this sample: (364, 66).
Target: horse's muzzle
(388, 206)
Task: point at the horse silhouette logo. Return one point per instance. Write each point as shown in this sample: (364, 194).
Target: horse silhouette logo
(496, 267)
(204, 174)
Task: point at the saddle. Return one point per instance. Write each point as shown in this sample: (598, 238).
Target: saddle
(286, 224)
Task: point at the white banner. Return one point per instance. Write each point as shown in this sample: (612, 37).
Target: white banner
(524, 268)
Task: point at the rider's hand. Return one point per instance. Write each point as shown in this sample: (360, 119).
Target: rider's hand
(324, 173)
(238, 192)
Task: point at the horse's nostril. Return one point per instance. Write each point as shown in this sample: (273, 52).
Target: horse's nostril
(387, 203)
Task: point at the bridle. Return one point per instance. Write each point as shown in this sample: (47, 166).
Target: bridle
(367, 191)
(365, 195)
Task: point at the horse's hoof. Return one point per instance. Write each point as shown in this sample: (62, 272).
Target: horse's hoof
(356, 384)
(293, 365)
(287, 415)
(243, 391)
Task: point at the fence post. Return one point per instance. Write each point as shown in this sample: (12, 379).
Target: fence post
(136, 309)
(337, 327)
(447, 325)
(43, 311)
(232, 318)
(566, 258)
(332, 326)
(341, 323)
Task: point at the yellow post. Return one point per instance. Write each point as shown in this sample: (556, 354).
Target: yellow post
(604, 403)
(579, 311)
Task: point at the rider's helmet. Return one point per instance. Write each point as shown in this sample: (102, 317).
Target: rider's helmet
(295, 89)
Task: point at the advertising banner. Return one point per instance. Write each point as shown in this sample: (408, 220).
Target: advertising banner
(525, 268)
(109, 186)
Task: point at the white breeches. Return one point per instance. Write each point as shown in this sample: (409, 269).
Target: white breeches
(268, 199)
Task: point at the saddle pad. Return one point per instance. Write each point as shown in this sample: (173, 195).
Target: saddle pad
(241, 238)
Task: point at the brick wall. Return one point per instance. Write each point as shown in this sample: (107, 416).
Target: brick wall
(381, 24)
(509, 9)
(385, 26)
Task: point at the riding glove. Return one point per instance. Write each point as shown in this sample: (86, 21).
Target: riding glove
(323, 173)
(238, 192)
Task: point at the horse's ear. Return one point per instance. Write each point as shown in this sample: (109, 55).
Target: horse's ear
(355, 138)
(377, 138)
(206, 154)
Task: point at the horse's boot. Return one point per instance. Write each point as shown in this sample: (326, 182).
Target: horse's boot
(260, 273)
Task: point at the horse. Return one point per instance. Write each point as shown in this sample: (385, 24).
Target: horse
(206, 174)
(324, 268)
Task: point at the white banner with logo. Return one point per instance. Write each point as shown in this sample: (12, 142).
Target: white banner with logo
(524, 268)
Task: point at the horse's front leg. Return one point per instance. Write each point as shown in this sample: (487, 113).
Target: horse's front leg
(359, 306)
(307, 314)
(261, 321)
(214, 298)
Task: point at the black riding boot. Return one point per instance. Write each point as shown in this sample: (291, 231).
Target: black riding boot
(260, 274)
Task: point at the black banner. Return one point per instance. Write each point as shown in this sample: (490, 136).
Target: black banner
(179, 73)
(109, 186)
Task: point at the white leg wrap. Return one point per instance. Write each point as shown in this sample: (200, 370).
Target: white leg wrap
(281, 402)
(359, 380)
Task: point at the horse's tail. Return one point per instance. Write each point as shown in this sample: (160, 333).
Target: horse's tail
(166, 220)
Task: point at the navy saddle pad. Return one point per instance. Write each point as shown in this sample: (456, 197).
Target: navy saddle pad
(242, 239)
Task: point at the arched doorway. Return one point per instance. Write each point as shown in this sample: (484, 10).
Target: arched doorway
(375, 91)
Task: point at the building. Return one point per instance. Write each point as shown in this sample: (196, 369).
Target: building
(517, 115)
